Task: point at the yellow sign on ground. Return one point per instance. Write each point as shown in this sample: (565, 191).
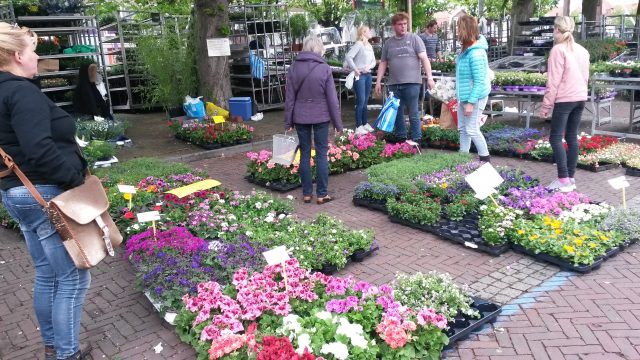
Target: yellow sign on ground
(218, 119)
(297, 159)
(196, 186)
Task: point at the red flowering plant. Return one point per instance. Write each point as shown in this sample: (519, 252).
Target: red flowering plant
(206, 132)
(591, 144)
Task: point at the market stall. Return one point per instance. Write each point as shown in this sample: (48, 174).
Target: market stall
(617, 83)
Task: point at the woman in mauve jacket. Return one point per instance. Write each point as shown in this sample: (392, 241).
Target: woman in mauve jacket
(40, 138)
(311, 105)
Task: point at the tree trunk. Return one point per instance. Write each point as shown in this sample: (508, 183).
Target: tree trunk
(212, 16)
(590, 9)
(522, 10)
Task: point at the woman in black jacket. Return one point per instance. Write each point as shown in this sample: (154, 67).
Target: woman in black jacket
(40, 137)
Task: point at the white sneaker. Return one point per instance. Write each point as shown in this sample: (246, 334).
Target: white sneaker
(573, 181)
(557, 185)
(360, 130)
(368, 128)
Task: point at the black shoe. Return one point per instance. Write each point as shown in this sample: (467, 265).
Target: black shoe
(82, 354)
(50, 352)
(485, 158)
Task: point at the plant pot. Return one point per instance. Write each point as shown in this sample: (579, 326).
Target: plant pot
(632, 172)
(175, 112)
(296, 47)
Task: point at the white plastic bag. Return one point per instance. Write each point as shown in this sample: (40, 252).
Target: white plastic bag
(350, 79)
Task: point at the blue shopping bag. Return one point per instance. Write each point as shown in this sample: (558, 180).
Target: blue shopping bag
(256, 63)
(387, 118)
(194, 107)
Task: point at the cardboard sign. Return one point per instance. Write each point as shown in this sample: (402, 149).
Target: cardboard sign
(196, 186)
(127, 189)
(218, 47)
(619, 183)
(484, 180)
(148, 216)
(276, 255)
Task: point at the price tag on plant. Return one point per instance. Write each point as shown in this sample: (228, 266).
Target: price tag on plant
(148, 216)
(218, 119)
(127, 189)
(484, 181)
(619, 183)
(276, 255)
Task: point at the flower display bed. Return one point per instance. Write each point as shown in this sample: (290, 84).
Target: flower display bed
(350, 152)
(564, 228)
(564, 265)
(211, 136)
(463, 325)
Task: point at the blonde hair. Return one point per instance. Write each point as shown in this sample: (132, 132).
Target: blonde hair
(565, 25)
(360, 37)
(14, 39)
(313, 44)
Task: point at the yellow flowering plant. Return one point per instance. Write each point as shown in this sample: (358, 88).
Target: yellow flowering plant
(578, 243)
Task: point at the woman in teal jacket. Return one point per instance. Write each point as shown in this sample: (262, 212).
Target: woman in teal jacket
(472, 85)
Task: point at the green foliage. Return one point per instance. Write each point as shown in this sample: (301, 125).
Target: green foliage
(495, 9)
(132, 171)
(328, 13)
(603, 49)
(402, 172)
(171, 63)
(98, 150)
(174, 7)
(298, 25)
(6, 220)
(421, 11)
(100, 130)
(414, 207)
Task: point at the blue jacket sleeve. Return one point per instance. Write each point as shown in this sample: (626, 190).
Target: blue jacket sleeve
(479, 64)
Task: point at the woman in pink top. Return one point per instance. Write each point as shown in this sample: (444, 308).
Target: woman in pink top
(567, 78)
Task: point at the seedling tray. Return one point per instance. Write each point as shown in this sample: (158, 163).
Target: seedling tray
(565, 265)
(463, 326)
(376, 205)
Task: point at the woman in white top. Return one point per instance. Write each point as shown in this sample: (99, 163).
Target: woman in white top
(361, 60)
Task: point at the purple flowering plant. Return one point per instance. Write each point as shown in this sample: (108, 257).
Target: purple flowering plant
(539, 200)
(243, 252)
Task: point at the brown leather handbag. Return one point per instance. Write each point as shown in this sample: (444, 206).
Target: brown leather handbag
(80, 215)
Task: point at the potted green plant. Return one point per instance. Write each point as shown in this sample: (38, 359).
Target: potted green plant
(299, 26)
(170, 62)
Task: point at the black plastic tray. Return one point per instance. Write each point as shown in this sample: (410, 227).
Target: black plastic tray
(370, 204)
(464, 232)
(632, 172)
(564, 265)
(360, 255)
(489, 315)
(597, 169)
(281, 187)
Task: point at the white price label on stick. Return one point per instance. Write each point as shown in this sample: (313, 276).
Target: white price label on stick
(484, 180)
(277, 255)
(148, 216)
(127, 189)
(619, 183)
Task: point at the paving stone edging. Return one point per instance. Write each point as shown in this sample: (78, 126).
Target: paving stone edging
(222, 152)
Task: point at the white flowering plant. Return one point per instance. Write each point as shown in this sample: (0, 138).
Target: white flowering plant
(328, 334)
(583, 213)
(496, 223)
(444, 90)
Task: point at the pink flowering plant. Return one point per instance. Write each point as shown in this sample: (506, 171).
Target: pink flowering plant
(323, 315)
(539, 200)
(262, 169)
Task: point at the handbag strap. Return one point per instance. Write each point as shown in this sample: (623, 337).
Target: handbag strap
(12, 167)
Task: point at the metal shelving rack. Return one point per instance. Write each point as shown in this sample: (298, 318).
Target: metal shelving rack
(6, 13)
(119, 45)
(535, 38)
(79, 30)
(261, 30)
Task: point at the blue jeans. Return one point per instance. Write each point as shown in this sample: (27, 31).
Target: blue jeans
(321, 141)
(60, 287)
(362, 88)
(408, 95)
(565, 122)
(469, 127)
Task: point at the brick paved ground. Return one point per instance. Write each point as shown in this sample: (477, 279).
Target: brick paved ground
(548, 314)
